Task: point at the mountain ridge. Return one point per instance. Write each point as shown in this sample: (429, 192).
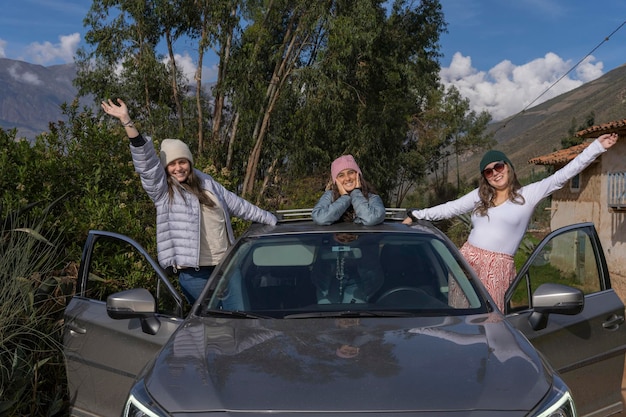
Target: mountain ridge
(31, 97)
(538, 130)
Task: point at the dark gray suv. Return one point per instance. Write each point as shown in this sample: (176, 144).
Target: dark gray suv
(346, 319)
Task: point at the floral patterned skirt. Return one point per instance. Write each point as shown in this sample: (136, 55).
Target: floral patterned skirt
(496, 270)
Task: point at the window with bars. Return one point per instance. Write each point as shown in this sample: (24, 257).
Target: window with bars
(617, 190)
(574, 184)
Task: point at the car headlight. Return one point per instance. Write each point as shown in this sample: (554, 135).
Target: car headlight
(558, 402)
(140, 404)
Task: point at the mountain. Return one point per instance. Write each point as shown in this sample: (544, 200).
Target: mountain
(539, 130)
(31, 95)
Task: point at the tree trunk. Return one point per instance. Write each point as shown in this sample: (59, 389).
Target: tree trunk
(281, 71)
(221, 76)
(175, 92)
(231, 142)
(266, 181)
(198, 78)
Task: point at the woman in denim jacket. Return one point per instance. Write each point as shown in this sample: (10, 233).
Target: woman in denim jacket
(351, 199)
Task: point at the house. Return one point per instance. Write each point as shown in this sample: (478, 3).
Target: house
(598, 194)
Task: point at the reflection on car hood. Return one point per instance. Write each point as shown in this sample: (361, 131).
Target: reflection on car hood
(410, 364)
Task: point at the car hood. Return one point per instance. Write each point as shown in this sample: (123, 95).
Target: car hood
(334, 365)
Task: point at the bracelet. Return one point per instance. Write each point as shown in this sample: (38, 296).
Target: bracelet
(409, 213)
(128, 124)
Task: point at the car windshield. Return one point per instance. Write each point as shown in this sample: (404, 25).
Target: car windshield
(326, 274)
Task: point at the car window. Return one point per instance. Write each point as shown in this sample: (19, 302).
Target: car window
(568, 259)
(116, 265)
(280, 275)
(283, 254)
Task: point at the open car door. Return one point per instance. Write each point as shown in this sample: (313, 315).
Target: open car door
(586, 346)
(104, 355)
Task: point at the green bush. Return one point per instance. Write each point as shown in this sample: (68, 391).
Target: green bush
(83, 166)
(32, 298)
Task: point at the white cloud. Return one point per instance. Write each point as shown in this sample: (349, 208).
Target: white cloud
(43, 53)
(588, 71)
(3, 44)
(187, 67)
(507, 89)
(23, 76)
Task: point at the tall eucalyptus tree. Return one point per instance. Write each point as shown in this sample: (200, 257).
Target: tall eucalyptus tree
(370, 77)
(122, 60)
(448, 129)
(299, 82)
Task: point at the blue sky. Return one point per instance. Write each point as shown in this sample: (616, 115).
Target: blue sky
(502, 55)
(506, 55)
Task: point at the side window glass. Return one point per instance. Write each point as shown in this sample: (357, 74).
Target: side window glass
(568, 259)
(574, 183)
(116, 266)
(460, 291)
(574, 257)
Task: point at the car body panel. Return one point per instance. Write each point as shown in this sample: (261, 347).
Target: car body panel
(471, 362)
(589, 358)
(587, 349)
(103, 356)
(395, 365)
(101, 352)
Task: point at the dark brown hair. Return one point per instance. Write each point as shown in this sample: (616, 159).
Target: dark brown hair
(487, 193)
(366, 188)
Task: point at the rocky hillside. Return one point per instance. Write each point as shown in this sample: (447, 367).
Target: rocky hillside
(539, 130)
(31, 95)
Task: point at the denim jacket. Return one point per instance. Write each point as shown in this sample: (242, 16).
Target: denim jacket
(369, 211)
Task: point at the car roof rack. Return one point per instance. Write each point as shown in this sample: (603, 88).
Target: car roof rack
(305, 214)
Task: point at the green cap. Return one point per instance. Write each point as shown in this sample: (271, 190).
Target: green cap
(493, 156)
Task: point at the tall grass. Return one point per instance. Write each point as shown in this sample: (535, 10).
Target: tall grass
(31, 306)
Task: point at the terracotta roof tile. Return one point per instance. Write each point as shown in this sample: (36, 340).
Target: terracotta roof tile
(618, 126)
(560, 157)
(565, 155)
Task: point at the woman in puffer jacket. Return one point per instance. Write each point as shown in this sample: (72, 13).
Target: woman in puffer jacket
(193, 210)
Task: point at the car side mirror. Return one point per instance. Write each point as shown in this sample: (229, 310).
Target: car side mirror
(135, 303)
(551, 298)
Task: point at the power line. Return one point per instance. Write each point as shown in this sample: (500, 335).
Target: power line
(564, 75)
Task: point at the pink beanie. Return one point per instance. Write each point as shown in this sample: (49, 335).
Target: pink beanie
(341, 163)
(173, 149)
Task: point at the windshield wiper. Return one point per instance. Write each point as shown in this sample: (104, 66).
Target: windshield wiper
(235, 314)
(350, 313)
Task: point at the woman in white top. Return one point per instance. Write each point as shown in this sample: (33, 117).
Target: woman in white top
(501, 209)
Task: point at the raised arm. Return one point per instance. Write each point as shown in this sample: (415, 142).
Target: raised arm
(120, 111)
(608, 139)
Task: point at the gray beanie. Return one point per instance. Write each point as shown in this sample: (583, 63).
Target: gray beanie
(173, 149)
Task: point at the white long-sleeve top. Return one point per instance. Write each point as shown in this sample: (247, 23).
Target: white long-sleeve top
(503, 228)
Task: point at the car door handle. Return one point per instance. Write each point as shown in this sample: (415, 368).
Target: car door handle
(613, 322)
(76, 329)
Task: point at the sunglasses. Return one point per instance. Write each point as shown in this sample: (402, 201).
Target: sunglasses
(498, 167)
